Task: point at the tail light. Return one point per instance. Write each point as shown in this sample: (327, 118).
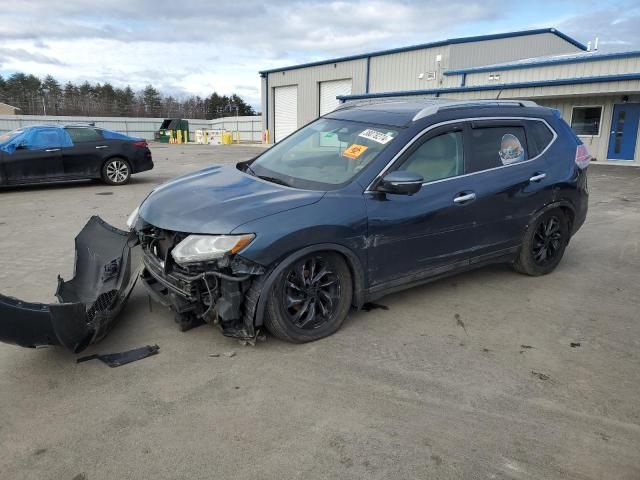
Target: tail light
(582, 156)
(141, 144)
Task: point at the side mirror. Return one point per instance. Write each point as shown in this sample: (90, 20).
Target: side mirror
(401, 183)
(22, 146)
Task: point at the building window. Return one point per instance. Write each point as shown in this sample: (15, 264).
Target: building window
(586, 120)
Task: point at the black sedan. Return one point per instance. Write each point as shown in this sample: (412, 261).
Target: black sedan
(51, 153)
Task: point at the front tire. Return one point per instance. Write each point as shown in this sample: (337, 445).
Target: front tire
(310, 299)
(116, 171)
(543, 244)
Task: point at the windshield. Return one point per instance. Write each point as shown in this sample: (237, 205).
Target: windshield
(323, 155)
(5, 137)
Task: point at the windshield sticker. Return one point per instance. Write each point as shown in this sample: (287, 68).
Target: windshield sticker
(376, 136)
(511, 150)
(354, 151)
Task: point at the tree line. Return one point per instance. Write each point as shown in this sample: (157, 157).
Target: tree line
(34, 96)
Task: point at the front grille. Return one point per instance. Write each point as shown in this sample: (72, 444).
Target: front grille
(183, 287)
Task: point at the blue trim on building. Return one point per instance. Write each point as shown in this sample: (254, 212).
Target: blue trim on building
(551, 61)
(452, 41)
(502, 86)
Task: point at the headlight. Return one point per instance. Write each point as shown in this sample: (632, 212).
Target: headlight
(133, 218)
(200, 248)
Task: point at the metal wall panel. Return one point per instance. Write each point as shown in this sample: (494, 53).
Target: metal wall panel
(552, 72)
(487, 52)
(308, 80)
(401, 71)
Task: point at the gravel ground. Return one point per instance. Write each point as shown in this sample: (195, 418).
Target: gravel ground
(470, 377)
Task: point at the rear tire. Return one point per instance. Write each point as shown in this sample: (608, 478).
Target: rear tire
(116, 171)
(543, 244)
(310, 299)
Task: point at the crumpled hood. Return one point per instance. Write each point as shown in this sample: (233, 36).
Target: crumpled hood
(218, 199)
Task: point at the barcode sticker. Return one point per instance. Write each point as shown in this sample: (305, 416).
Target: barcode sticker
(376, 136)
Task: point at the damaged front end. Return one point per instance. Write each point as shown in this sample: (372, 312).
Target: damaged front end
(106, 269)
(214, 291)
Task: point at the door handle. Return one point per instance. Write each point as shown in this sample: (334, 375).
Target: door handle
(464, 198)
(102, 146)
(52, 150)
(537, 177)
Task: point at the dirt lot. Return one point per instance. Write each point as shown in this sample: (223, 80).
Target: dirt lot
(471, 377)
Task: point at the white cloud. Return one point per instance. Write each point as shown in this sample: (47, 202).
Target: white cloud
(198, 46)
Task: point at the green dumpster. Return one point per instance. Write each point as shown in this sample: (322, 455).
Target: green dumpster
(168, 132)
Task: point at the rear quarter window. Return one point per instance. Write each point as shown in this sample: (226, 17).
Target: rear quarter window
(496, 146)
(539, 137)
(84, 135)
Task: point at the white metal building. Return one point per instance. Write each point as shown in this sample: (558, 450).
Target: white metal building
(598, 94)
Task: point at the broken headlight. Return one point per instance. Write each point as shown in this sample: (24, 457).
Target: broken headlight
(201, 248)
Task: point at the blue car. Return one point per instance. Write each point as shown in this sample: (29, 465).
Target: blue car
(367, 200)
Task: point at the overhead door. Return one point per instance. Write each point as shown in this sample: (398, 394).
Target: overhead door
(285, 110)
(328, 93)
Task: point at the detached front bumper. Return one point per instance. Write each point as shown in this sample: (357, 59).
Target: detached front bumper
(106, 269)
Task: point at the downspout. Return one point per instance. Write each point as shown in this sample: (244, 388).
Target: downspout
(266, 106)
(366, 86)
(463, 80)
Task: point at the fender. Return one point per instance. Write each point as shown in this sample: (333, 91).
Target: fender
(357, 273)
(557, 204)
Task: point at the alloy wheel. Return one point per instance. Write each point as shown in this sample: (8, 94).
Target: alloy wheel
(311, 293)
(547, 241)
(118, 171)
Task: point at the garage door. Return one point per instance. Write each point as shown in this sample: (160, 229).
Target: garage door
(328, 93)
(285, 110)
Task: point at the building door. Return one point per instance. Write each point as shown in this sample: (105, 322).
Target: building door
(624, 131)
(285, 106)
(328, 93)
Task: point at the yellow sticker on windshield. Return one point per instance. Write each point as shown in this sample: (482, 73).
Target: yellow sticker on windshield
(354, 151)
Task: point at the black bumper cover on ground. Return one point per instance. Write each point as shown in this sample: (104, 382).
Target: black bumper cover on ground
(105, 274)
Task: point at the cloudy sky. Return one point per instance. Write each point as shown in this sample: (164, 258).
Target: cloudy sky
(195, 47)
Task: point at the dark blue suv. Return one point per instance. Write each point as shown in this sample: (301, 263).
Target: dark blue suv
(367, 200)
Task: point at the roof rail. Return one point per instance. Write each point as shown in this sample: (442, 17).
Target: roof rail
(451, 104)
(367, 101)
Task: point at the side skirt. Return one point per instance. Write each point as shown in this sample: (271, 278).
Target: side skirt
(433, 274)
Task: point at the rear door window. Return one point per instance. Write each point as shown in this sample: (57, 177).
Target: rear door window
(496, 146)
(84, 135)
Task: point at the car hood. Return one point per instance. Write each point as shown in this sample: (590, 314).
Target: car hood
(217, 200)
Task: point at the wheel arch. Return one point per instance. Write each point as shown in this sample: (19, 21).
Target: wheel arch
(565, 206)
(353, 262)
(114, 156)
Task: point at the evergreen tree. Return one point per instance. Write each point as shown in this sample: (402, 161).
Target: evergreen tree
(32, 96)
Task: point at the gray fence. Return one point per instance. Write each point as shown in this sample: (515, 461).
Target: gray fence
(250, 128)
